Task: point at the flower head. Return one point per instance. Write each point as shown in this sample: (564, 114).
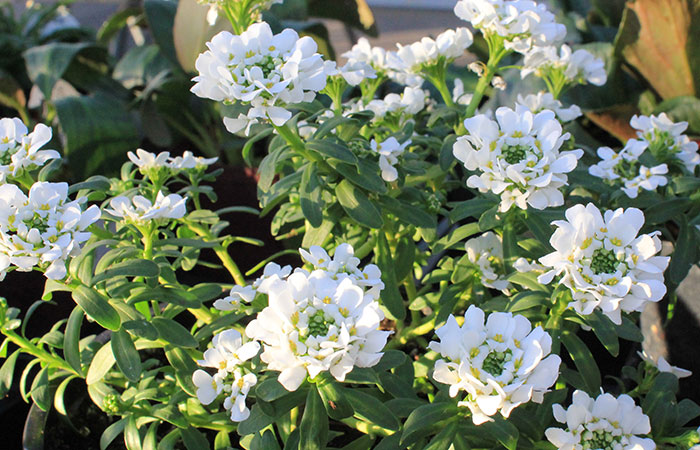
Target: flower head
(486, 251)
(666, 140)
(521, 23)
(188, 161)
(500, 363)
(426, 53)
(664, 366)
(20, 150)
(267, 71)
(603, 261)
(604, 423)
(518, 157)
(41, 229)
(574, 67)
(389, 150)
(140, 210)
(544, 100)
(324, 320)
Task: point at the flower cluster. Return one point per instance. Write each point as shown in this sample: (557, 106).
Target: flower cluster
(20, 150)
(500, 364)
(323, 320)
(396, 106)
(141, 210)
(604, 423)
(266, 71)
(666, 139)
(228, 356)
(565, 66)
(603, 261)
(545, 100)
(148, 162)
(518, 157)
(41, 229)
(521, 24)
(486, 252)
(420, 56)
(389, 151)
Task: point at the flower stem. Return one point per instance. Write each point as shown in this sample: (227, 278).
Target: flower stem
(222, 253)
(43, 355)
(497, 52)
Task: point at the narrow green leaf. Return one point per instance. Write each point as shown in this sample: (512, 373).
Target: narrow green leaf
(184, 367)
(391, 297)
(46, 64)
(265, 441)
(408, 212)
(504, 431)
(129, 268)
(424, 417)
(126, 355)
(7, 372)
(71, 339)
(97, 307)
(443, 440)
(59, 401)
(194, 439)
(446, 155)
(331, 149)
(663, 211)
(100, 364)
(470, 208)
(604, 329)
(684, 254)
(174, 333)
(310, 196)
(314, 423)
(365, 175)
(222, 441)
(332, 395)
(40, 391)
(584, 361)
(111, 432)
(270, 390)
(132, 438)
(357, 205)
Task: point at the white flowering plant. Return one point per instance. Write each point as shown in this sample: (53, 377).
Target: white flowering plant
(460, 261)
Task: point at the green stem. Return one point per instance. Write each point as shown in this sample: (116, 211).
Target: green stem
(366, 428)
(292, 139)
(43, 355)
(222, 253)
(438, 80)
(13, 103)
(496, 53)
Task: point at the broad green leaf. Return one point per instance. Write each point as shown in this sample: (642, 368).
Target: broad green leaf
(371, 409)
(97, 307)
(470, 208)
(71, 340)
(265, 441)
(139, 66)
(46, 64)
(357, 205)
(660, 404)
(126, 355)
(456, 237)
(331, 149)
(129, 268)
(408, 212)
(604, 329)
(222, 441)
(333, 397)
(584, 361)
(160, 15)
(194, 439)
(365, 175)
(663, 211)
(270, 390)
(504, 432)
(443, 440)
(174, 333)
(7, 373)
(99, 130)
(685, 253)
(446, 155)
(314, 423)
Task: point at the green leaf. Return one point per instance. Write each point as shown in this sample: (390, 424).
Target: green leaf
(660, 404)
(584, 361)
(370, 408)
(357, 205)
(267, 168)
(365, 175)
(685, 253)
(7, 373)
(332, 395)
(97, 307)
(141, 328)
(443, 440)
(331, 149)
(604, 329)
(139, 66)
(539, 227)
(663, 211)
(111, 432)
(184, 367)
(446, 155)
(683, 109)
(424, 417)
(528, 299)
(160, 15)
(174, 333)
(194, 439)
(115, 23)
(490, 219)
(222, 441)
(504, 431)
(629, 331)
(408, 212)
(527, 280)
(129, 268)
(355, 13)
(683, 185)
(314, 423)
(100, 364)
(391, 297)
(265, 441)
(270, 390)
(71, 340)
(46, 64)
(41, 393)
(310, 196)
(455, 237)
(99, 130)
(126, 355)
(470, 208)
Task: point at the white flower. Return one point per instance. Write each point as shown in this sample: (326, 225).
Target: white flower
(664, 366)
(603, 261)
(363, 51)
(147, 161)
(458, 94)
(268, 72)
(319, 321)
(140, 210)
(188, 161)
(518, 157)
(448, 46)
(544, 100)
(579, 66)
(355, 72)
(606, 422)
(232, 302)
(499, 83)
(624, 169)
(401, 106)
(521, 23)
(271, 272)
(486, 251)
(20, 150)
(500, 364)
(389, 150)
(228, 356)
(666, 139)
(42, 229)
